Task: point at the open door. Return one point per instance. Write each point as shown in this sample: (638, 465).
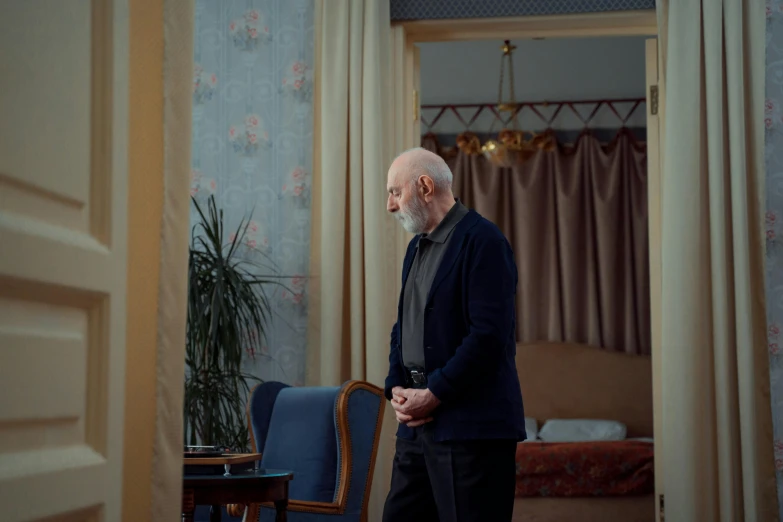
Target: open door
(654, 189)
(63, 139)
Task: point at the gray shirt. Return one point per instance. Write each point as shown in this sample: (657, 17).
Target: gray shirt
(429, 253)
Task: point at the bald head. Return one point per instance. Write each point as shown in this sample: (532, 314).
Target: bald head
(420, 162)
(419, 185)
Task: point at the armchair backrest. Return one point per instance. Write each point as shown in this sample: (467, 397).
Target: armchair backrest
(259, 411)
(328, 436)
(302, 437)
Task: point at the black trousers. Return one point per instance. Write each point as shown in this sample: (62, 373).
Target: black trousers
(458, 481)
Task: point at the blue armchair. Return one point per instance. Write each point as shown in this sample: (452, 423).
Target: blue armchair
(328, 436)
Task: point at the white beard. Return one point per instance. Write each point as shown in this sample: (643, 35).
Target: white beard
(413, 218)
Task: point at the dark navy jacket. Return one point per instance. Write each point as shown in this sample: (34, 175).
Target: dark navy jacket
(469, 337)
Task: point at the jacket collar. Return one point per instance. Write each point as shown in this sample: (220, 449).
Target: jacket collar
(453, 249)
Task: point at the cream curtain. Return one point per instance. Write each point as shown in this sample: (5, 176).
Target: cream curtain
(174, 234)
(352, 299)
(717, 443)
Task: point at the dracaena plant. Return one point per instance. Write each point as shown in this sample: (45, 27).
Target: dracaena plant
(228, 309)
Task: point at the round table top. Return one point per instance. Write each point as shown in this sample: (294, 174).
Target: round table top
(264, 475)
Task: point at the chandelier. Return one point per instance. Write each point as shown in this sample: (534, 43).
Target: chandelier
(510, 142)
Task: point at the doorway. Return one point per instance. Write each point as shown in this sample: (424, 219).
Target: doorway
(416, 48)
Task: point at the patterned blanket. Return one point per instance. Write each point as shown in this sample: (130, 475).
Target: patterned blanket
(584, 469)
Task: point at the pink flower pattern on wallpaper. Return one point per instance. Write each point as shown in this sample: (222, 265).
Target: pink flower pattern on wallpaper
(255, 238)
(773, 122)
(298, 82)
(771, 227)
(294, 294)
(247, 137)
(201, 187)
(252, 128)
(255, 345)
(772, 114)
(204, 84)
(297, 187)
(249, 31)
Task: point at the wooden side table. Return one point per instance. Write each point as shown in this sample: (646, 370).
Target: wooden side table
(242, 487)
(226, 460)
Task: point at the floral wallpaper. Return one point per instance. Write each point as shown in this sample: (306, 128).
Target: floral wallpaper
(252, 136)
(773, 153)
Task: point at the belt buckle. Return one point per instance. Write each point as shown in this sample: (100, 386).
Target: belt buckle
(418, 377)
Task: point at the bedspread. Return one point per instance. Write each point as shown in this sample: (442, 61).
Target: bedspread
(582, 469)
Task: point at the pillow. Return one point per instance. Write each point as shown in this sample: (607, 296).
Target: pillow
(580, 430)
(531, 427)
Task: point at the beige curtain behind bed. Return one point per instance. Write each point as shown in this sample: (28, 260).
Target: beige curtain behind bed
(717, 443)
(576, 218)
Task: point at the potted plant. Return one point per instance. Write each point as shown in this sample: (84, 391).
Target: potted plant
(228, 308)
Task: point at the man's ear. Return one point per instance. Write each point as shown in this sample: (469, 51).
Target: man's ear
(426, 187)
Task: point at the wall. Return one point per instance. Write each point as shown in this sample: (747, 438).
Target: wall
(252, 149)
(553, 69)
(774, 227)
(145, 190)
(432, 9)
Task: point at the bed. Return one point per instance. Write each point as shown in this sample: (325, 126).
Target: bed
(596, 481)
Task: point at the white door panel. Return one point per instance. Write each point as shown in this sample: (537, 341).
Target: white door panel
(63, 133)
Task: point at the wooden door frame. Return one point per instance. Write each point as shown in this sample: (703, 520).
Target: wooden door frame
(617, 23)
(405, 35)
(406, 118)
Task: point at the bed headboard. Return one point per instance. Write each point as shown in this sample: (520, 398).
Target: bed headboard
(576, 381)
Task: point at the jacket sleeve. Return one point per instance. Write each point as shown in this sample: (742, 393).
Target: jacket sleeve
(491, 292)
(396, 375)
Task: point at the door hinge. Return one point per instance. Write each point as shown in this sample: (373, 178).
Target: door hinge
(653, 99)
(660, 508)
(415, 105)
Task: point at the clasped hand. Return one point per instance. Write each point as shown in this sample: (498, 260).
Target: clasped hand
(413, 407)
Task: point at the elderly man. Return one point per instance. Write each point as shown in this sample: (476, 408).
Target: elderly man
(452, 377)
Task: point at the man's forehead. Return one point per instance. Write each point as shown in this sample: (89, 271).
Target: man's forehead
(394, 177)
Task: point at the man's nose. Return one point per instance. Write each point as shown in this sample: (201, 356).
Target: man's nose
(391, 205)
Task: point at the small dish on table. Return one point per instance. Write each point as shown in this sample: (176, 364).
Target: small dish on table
(204, 462)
